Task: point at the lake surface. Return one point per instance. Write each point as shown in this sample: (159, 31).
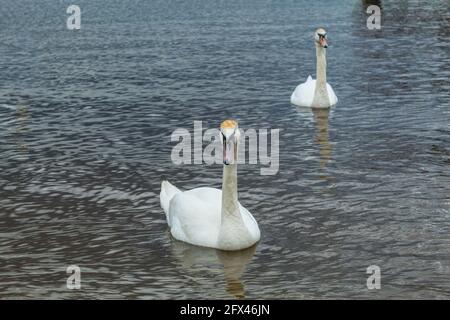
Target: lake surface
(86, 118)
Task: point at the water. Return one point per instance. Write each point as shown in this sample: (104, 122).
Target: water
(85, 124)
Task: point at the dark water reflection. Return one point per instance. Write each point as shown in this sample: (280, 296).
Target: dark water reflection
(231, 264)
(85, 125)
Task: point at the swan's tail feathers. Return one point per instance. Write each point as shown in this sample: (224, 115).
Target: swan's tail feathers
(309, 78)
(167, 192)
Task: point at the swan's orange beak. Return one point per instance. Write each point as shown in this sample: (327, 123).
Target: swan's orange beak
(323, 42)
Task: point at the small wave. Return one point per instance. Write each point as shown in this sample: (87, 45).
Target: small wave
(8, 106)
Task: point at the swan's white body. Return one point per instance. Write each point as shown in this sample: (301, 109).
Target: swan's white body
(303, 94)
(316, 93)
(209, 217)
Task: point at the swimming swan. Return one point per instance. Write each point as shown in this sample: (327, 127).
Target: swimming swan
(308, 94)
(210, 217)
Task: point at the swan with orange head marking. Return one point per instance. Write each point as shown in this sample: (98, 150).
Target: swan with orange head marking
(211, 217)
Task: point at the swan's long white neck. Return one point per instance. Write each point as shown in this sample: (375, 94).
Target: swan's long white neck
(321, 65)
(321, 94)
(230, 207)
(232, 228)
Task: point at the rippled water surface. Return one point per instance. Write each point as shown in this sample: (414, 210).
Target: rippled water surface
(86, 118)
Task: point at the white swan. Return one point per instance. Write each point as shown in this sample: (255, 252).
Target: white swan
(316, 93)
(210, 217)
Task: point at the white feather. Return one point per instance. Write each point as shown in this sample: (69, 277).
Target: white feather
(195, 216)
(303, 94)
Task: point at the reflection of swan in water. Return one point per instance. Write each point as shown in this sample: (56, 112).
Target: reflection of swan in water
(322, 135)
(367, 3)
(22, 119)
(320, 118)
(201, 259)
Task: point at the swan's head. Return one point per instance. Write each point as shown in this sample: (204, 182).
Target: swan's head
(320, 36)
(229, 134)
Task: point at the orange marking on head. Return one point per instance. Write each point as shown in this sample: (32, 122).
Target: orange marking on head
(228, 124)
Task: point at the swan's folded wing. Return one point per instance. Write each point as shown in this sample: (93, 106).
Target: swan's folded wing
(250, 222)
(195, 216)
(331, 95)
(168, 191)
(303, 94)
